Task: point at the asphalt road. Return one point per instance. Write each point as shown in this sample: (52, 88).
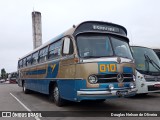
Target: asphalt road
(13, 99)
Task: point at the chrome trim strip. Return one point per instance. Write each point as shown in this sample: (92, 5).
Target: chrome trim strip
(89, 93)
(104, 93)
(123, 60)
(107, 78)
(54, 78)
(127, 77)
(113, 78)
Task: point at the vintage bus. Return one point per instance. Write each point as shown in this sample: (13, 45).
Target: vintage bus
(90, 61)
(147, 70)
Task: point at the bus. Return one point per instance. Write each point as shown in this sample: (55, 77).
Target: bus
(147, 70)
(90, 61)
(12, 77)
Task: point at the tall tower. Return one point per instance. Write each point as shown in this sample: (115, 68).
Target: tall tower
(37, 29)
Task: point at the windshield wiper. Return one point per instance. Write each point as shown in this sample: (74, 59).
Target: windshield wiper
(149, 60)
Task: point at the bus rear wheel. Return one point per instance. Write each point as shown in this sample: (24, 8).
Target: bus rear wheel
(25, 90)
(55, 96)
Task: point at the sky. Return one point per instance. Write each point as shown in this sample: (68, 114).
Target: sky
(141, 18)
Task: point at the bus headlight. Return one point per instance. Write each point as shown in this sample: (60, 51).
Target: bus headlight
(111, 86)
(92, 79)
(134, 78)
(132, 85)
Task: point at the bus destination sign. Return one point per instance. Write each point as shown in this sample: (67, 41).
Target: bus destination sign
(106, 28)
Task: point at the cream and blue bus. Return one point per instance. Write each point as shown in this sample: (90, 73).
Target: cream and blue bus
(90, 61)
(147, 70)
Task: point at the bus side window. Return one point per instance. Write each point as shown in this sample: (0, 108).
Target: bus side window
(24, 62)
(43, 54)
(67, 46)
(54, 50)
(20, 64)
(35, 58)
(29, 60)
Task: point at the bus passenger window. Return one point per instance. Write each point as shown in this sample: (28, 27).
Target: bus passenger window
(29, 60)
(43, 54)
(20, 64)
(54, 50)
(35, 58)
(24, 62)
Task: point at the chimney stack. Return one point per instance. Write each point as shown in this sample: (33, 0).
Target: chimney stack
(37, 29)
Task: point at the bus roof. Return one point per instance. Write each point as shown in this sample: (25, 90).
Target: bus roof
(87, 26)
(100, 26)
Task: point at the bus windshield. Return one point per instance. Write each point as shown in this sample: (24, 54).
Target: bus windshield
(103, 45)
(146, 60)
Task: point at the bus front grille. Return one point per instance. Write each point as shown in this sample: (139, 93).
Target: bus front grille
(110, 78)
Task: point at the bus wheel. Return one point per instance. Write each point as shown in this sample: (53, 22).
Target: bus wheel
(144, 94)
(25, 90)
(101, 100)
(56, 96)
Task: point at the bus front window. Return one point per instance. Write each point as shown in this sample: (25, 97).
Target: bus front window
(146, 60)
(121, 48)
(94, 46)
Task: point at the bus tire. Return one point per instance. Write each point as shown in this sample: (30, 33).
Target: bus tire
(25, 90)
(55, 96)
(144, 94)
(101, 100)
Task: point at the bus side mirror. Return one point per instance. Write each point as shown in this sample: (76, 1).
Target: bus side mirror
(66, 46)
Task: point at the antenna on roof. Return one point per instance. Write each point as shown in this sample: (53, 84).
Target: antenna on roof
(74, 26)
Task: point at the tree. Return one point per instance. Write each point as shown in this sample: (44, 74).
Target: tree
(3, 73)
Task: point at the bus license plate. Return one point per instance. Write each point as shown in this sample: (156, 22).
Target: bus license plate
(122, 93)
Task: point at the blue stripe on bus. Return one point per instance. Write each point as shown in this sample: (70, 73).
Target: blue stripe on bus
(106, 86)
(38, 85)
(68, 88)
(127, 70)
(36, 72)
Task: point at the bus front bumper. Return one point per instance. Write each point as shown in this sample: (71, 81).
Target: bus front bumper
(96, 93)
